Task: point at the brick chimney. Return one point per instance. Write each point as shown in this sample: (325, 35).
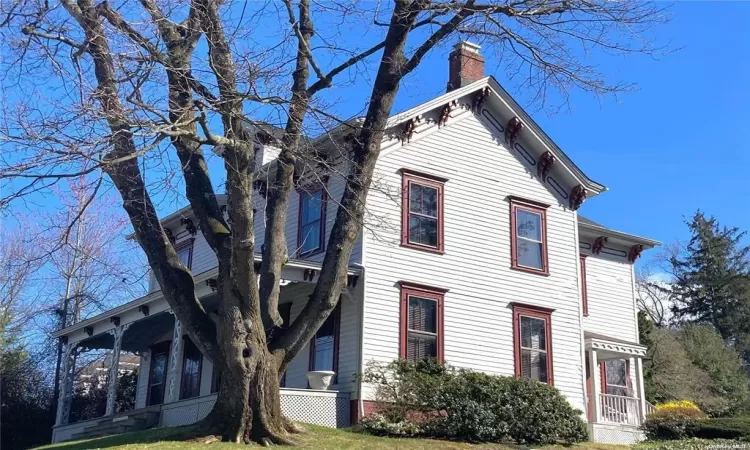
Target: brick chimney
(465, 65)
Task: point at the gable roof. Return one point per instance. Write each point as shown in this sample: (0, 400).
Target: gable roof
(509, 108)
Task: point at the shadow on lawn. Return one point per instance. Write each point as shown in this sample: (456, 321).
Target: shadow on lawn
(138, 437)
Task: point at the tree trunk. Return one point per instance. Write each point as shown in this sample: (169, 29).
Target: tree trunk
(248, 405)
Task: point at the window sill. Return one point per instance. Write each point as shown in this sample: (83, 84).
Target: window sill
(310, 253)
(436, 251)
(544, 273)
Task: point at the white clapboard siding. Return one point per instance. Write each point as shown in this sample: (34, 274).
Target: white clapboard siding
(611, 300)
(203, 257)
(335, 188)
(475, 268)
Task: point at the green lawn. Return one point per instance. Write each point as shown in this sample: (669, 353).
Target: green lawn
(315, 438)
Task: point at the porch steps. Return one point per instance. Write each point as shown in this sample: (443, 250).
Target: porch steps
(123, 423)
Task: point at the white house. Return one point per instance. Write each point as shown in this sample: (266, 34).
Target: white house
(473, 253)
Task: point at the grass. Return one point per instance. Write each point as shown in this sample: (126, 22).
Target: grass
(317, 438)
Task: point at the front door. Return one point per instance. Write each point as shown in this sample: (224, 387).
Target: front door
(157, 376)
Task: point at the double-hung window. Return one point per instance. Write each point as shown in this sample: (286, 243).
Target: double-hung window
(324, 347)
(422, 211)
(528, 236)
(191, 370)
(421, 322)
(532, 336)
(184, 251)
(312, 218)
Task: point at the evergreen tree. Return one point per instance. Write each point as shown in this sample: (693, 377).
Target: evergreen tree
(712, 281)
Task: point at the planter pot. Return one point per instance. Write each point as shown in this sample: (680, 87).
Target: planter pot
(320, 379)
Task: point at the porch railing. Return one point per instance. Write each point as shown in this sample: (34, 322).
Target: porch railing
(620, 409)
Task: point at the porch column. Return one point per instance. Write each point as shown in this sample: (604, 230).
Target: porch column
(114, 370)
(640, 386)
(67, 373)
(175, 362)
(594, 397)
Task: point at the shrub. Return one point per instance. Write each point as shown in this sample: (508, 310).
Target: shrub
(440, 401)
(721, 428)
(671, 420)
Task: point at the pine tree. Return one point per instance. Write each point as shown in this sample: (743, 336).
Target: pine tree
(712, 281)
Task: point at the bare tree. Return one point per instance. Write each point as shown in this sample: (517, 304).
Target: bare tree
(652, 297)
(132, 79)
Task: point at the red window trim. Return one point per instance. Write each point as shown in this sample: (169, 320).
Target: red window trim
(536, 312)
(421, 178)
(182, 246)
(528, 205)
(323, 207)
(336, 313)
(584, 292)
(182, 374)
(426, 292)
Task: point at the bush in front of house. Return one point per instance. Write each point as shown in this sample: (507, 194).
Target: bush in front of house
(721, 428)
(430, 399)
(671, 420)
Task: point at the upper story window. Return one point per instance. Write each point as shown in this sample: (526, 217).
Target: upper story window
(532, 335)
(312, 221)
(528, 224)
(421, 322)
(422, 215)
(184, 251)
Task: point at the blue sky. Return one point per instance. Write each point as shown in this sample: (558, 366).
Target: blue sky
(679, 143)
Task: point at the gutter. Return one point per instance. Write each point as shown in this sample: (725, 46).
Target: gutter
(619, 234)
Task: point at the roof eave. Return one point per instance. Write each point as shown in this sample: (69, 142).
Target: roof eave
(649, 243)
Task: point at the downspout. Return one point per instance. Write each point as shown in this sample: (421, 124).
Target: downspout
(580, 320)
(361, 351)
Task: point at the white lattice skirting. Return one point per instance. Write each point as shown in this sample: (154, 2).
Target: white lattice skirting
(325, 408)
(615, 434)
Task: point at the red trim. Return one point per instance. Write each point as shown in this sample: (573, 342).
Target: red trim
(323, 210)
(584, 292)
(336, 313)
(426, 292)
(603, 377)
(182, 246)
(515, 205)
(526, 201)
(410, 176)
(537, 312)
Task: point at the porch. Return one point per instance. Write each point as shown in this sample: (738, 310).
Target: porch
(176, 384)
(614, 386)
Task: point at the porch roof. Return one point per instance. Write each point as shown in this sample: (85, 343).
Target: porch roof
(607, 344)
(296, 270)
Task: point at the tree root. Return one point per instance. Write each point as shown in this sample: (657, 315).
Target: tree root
(291, 427)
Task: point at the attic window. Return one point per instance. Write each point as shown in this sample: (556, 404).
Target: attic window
(422, 211)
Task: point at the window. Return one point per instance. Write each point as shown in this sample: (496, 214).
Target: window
(285, 311)
(157, 375)
(529, 236)
(532, 336)
(584, 294)
(324, 346)
(191, 370)
(421, 322)
(312, 219)
(185, 252)
(215, 379)
(422, 215)
(616, 377)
